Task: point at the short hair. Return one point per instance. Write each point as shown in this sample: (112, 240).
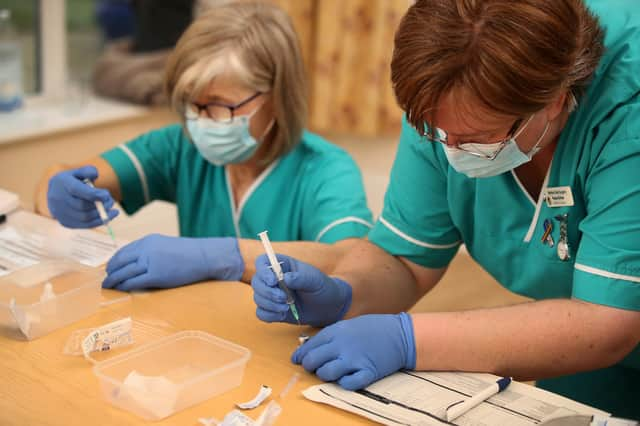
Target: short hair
(511, 57)
(256, 42)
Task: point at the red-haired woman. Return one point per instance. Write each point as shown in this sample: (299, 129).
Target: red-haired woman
(522, 141)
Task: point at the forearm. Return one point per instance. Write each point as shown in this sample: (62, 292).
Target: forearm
(322, 256)
(382, 283)
(527, 341)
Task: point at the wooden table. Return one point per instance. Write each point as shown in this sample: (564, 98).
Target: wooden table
(42, 386)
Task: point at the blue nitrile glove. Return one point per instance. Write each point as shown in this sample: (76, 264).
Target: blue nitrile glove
(72, 202)
(358, 351)
(158, 261)
(320, 299)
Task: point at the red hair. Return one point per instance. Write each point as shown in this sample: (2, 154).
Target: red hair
(512, 57)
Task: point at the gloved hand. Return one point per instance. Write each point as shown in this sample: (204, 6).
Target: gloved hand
(320, 299)
(72, 202)
(359, 351)
(164, 262)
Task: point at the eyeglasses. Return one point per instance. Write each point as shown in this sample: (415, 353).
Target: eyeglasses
(476, 148)
(217, 111)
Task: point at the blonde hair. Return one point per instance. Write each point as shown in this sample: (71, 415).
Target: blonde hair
(513, 57)
(256, 42)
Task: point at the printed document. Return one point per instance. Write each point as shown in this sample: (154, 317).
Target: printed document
(27, 239)
(421, 398)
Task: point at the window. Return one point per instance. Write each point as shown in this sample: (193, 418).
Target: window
(24, 19)
(84, 40)
(60, 41)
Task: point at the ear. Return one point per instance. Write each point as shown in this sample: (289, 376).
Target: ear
(557, 106)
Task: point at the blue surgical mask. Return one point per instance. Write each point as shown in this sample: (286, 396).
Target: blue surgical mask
(224, 143)
(485, 165)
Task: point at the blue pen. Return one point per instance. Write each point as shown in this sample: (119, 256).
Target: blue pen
(457, 410)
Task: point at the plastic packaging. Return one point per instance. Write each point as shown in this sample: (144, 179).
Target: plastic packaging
(170, 374)
(238, 418)
(44, 297)
(118, 339)
(263, 393)
(10, 65)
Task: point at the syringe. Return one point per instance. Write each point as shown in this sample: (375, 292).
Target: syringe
(277, 270)
(103, 214)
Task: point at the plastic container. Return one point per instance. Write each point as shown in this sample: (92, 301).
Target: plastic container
(44, 297)
(170, 374)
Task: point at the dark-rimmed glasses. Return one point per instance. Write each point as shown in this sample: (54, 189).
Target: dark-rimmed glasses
(217, 111)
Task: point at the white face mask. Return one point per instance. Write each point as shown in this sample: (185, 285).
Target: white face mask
(224, 143)
(478, 166)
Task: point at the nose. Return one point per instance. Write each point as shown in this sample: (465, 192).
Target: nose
(452, 141)
(202, 112)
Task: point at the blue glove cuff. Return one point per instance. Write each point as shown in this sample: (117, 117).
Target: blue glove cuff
(409, 340)
(224, 260)
(347, 293)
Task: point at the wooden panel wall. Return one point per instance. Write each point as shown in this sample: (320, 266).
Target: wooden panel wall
(347, 47)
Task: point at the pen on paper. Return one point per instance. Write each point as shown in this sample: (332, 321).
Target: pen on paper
(456, 410)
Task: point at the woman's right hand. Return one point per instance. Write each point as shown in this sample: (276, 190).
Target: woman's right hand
(72, 202)
(321, 300)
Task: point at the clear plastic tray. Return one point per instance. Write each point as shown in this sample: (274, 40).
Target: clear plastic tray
(41, 298)
(173, 373)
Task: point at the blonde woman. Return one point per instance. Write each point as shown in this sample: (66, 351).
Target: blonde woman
(239, 163)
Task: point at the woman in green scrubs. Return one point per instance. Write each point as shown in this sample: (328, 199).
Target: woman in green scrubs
(522, 141)
(238, 164)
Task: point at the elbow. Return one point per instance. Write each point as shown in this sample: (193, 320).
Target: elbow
(343, 246)
(621, 348)
(622, 337)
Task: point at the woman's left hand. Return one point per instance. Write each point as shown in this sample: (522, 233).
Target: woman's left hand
(159, 261)
(359, 351)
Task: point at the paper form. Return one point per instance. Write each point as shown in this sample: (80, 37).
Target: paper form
(421, 398)
(27, 239)
(90, 248)
(16, 251)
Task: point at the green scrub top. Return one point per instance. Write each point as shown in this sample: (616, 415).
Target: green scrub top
(312, 193)
(430, 209)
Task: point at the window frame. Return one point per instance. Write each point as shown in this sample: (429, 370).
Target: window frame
(51, 51)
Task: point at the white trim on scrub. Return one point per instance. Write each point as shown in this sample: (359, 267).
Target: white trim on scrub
(236, 213)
